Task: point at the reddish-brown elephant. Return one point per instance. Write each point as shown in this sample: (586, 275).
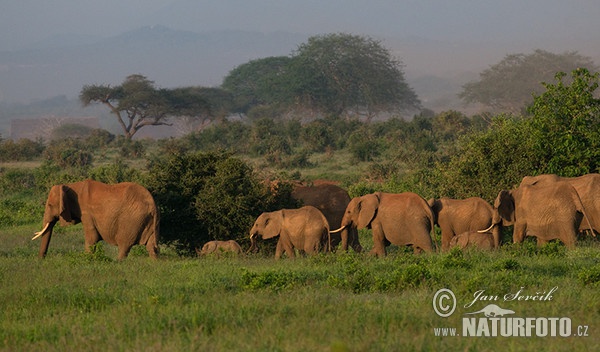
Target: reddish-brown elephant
(123, 214)
(456, 216)
(400, 219)
(552, 211)
(305, 229)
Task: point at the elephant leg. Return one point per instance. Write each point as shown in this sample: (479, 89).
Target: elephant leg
(91, 236)
(541, 242)
(278, 249)
(354, 242)
(378, 241)
(446, 238)
(124, 251)
(290, 252)
(152, 247)
(519, 232)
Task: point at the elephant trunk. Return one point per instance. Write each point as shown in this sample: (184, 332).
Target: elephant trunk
(253, 245)
(46, 234)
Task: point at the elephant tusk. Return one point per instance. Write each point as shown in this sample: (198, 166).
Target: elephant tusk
(39, 234)
(486, 230)
(338, 230)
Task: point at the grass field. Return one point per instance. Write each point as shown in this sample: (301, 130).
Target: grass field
(337, 302)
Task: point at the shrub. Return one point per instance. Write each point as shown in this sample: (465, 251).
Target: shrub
(115, 173)
(207, 196)
(21, 150)
(68, 153)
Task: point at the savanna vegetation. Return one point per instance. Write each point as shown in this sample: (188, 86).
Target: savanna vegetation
(212, 183)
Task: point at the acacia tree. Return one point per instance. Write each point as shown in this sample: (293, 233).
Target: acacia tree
(508, 85)
(137, 103)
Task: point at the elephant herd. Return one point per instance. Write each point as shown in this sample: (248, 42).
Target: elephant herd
(546, 206)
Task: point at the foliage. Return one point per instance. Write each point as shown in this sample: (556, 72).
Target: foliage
(68, 153)
(116, 172)
(21, 150)
(343, 73)
(566, 122)
(256, 82)
(486, 162)
(207, 196)
(331, 74)
(508, 85)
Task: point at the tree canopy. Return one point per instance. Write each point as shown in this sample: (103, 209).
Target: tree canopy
(508, 85)
(138, 103)
(335, 74)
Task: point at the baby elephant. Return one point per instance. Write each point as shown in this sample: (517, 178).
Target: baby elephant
(473, 239)
(220, 247)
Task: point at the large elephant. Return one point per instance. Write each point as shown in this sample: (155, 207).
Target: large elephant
(219, 247)
(552, 211)
(123, 214)
(305, 229)
(473, 239)
(332, 201)
(400, 219)
(588, 188)
(456, 216)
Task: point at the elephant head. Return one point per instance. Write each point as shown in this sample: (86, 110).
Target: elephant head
(267, 225)
(61, 205)
(360, 212)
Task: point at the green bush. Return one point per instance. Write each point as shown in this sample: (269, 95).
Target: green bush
(69, 153)
(21, 150)
(207, 196)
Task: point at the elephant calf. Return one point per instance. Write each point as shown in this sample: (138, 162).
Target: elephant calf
(220, 247)
(305, 229)
(473, 239)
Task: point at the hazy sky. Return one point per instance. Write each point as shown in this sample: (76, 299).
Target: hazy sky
(454, 39)
(544, 22)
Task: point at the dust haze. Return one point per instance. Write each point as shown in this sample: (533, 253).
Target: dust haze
(51, 49)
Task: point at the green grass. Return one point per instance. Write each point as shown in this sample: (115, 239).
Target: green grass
(338, 302)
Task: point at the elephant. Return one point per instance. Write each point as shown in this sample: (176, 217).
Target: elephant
(305, 229)
(455, 216)
(551, 211)
(400, 219)
(473, 239)
(122, 214)
(331, 200)
(219, 247)
(588, 188)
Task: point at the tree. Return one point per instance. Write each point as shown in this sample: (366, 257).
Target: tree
(137, 103)
(508, 85)
(343, 73)
(253, 83)
(566, 120)
(333, 75)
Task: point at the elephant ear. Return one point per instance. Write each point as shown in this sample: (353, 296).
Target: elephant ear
(505, 205)
(463, 240)
(367, 208)
(272, 225)
(66, 206)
